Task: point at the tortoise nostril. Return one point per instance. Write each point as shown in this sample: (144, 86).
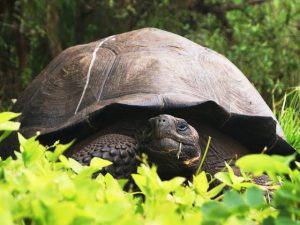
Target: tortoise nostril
(157, 123)
(161, 120)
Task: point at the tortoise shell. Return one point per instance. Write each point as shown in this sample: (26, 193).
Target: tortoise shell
(143, 71)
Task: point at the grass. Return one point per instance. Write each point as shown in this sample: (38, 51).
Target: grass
(289, 116)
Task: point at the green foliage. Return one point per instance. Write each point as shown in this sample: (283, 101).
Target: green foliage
(236, 182)
(44, 187)
(289, 116)
(271, 61)
(7, 126)
(40, 190)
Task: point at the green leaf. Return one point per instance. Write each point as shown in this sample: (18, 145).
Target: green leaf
(259, 163)
(216, 190)
(173, 184)
(254, 197)
(9, 125)
(234, 201)
(59, 150)
(4, 135)
(22, 139)
(64, 160)
(109, 213)
(234, 179)
(224, 177)
(285, 221)
(140, 181)
(289, 193)
(214, 211)
(74, 165)
(6, 116)
(98, 163)
(31, 149)
(200, 183)
(6, 206)
(57, 213)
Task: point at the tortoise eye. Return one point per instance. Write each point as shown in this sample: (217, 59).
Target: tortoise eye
(182, 126)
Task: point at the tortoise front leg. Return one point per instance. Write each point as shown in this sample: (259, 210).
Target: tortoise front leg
(120, 149)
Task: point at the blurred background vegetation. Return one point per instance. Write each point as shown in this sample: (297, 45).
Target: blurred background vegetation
(262, 37)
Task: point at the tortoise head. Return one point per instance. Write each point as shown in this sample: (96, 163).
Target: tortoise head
(173, 145)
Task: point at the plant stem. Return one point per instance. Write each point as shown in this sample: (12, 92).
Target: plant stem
(204, 156)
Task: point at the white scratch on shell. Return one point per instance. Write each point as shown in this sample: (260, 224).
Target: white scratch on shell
(90, 69)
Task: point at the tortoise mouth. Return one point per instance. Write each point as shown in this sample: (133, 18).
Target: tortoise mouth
(169, 150)
(177, 159)
(164, 145)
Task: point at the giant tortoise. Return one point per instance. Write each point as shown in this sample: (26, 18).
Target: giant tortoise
(154, 92)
